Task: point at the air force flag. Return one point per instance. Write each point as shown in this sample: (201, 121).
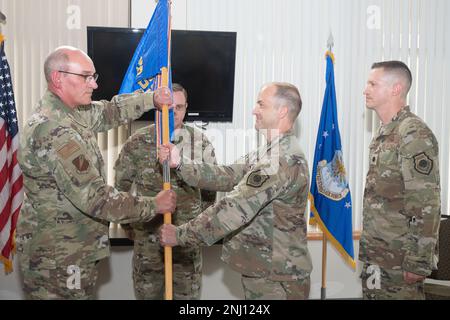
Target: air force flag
(331, 203)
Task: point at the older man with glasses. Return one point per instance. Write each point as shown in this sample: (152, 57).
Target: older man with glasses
(62, 231)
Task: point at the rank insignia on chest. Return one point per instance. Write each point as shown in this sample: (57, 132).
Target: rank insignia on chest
(422, 163)
(256, 179)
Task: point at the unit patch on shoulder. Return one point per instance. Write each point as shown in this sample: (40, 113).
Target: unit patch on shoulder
(256, 179)
(81, 163)
(422, 163)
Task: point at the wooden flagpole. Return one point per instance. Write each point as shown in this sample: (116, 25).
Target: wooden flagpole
(168, 272)
(166, 186)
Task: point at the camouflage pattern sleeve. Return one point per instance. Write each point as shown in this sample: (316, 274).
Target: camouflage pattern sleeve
(235, 210)
(211, 177)
(125, 167)
(209, 156)
(420, 169)
(86, 189)
(208, 198)
(104, 115)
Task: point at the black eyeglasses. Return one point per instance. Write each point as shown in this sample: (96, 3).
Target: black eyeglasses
(87, 77)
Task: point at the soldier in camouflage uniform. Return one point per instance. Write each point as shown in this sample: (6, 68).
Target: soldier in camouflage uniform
(402, 196)
(138, 170)
(262, 218)
(62, 230)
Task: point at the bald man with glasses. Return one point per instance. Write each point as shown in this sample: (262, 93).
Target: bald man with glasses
(62, 230)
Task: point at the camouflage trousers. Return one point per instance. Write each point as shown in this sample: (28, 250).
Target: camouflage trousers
(148, 271)
(75, 282)
(385, 284)
(264, 289)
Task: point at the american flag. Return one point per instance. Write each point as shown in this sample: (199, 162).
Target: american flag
(11, 180)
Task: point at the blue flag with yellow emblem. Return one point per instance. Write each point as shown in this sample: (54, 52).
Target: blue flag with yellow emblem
(331, 202)
(149, 59)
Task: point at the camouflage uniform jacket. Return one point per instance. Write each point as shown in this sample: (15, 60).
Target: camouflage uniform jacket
(402, 197)
(63, 218)
(263, 217)
(138, 170)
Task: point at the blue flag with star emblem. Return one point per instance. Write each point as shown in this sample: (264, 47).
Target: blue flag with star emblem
(331, 202)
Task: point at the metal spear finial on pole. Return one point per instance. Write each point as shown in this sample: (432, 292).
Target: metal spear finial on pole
(330, 41)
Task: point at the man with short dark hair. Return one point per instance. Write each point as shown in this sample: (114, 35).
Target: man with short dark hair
(262, 218)
(402, 196)
(138, 171)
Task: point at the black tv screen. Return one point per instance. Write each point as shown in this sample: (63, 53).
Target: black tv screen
(202, 61)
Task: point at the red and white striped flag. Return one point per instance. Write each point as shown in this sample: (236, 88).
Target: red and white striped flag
(11, 180)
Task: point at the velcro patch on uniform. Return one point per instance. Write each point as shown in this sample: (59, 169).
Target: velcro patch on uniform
(68, 149)
(81, 163)
(256, 179)
(423, 164)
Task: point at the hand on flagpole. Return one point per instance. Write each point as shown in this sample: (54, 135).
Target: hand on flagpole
(162, 96)
(169, 152)
(168, 235)
(166, 201)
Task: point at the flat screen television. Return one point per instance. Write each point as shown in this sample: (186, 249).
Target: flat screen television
(202, 61)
